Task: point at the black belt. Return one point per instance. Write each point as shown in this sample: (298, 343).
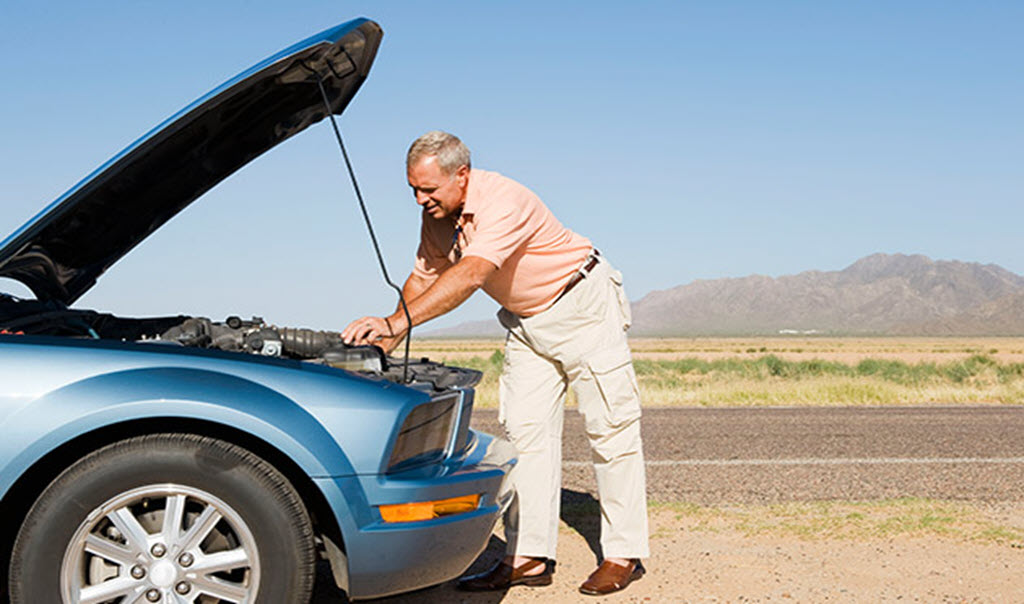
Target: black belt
(581, 274)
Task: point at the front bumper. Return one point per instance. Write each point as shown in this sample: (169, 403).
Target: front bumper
(382, 559)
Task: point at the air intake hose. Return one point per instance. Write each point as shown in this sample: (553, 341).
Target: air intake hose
(308, 343)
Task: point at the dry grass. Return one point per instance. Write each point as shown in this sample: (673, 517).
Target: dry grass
(845, 350)
(824, 520)
(815, 520)
(794, 371)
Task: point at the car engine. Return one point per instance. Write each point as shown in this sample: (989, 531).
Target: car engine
(250, 336)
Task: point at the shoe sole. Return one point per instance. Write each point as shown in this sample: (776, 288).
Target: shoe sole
(538, 581)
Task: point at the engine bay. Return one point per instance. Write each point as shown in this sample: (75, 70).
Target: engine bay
(234, 334)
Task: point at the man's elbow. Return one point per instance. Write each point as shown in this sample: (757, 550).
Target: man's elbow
(478, 271)
(477, 280)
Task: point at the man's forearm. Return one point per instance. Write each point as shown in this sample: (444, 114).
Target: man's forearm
(412, 288)
(425, 300)
(447, 292)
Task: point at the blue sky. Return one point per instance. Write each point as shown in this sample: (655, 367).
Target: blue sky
(689, 140)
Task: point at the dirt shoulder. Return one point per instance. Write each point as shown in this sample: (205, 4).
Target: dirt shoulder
(690, 563)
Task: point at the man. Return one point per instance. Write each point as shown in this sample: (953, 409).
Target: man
(566, 315)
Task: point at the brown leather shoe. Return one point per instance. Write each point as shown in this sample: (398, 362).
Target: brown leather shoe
(611, 577)
(503, 576)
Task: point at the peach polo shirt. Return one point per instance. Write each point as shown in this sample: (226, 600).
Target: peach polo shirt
(506, 224)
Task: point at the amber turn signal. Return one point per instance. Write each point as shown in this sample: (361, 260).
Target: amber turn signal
(427, 510)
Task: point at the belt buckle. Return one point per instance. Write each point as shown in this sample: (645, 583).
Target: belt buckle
(581, 273)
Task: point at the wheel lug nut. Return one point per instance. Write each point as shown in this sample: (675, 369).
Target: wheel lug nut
(182, 588)
(186, 559)
(138, 572)
(153, 595)
(158, 550)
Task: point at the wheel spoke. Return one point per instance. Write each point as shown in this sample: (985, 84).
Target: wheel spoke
(108, 590)
(222, 561)
(133, 532)
(219, 588)
(108, 550)
(173, 514)
(200, 528)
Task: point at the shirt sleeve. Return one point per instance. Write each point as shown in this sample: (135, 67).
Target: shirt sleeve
(498, 236)
(432, 256)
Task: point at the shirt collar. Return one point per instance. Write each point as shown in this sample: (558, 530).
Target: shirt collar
(473, 201)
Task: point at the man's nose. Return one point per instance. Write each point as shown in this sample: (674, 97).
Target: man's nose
(422, 198)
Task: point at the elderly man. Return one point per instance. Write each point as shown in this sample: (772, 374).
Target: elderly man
(566, 315)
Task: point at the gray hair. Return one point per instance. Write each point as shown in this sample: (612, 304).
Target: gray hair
(451, 152)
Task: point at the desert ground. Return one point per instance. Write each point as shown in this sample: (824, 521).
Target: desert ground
(691, 563)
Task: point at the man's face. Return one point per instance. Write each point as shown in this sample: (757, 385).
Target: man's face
(440, 194)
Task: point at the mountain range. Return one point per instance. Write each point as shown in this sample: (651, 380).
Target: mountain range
(881, 294)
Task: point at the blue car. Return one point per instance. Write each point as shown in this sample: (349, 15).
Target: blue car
(183, 459)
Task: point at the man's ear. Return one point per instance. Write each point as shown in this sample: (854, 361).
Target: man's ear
(463, 175)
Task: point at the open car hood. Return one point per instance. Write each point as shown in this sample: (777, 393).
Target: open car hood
(61, 252)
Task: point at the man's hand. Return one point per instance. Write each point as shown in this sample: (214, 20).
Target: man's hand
(369, 330)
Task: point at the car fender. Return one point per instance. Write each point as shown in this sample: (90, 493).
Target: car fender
(80, 407)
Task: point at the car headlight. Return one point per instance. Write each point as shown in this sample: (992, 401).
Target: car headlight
(426, 435)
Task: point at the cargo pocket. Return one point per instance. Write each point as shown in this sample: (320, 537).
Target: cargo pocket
(620, 294)
(615, 381)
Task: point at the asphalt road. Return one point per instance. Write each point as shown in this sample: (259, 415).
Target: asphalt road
(757, 455)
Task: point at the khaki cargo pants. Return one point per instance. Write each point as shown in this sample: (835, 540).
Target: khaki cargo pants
(580, 342)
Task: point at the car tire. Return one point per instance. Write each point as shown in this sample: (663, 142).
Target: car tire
(166, 518)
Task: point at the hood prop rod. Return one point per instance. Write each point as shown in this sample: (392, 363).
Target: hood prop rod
(369, 227)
